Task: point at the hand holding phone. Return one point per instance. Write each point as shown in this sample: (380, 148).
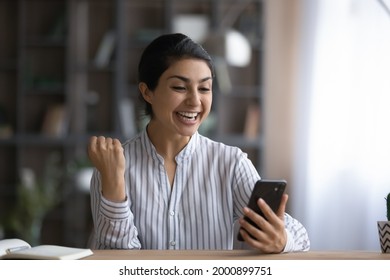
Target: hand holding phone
(271, 192)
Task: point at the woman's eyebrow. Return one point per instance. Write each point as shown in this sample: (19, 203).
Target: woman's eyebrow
(187, 80)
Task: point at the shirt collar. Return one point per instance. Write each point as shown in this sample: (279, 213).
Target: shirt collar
(187, 151)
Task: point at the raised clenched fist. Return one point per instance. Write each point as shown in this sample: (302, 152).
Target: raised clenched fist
(106, 154)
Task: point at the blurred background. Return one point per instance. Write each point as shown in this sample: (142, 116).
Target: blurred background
(302, 86)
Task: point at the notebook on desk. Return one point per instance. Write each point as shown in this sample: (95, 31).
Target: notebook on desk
(20, 249)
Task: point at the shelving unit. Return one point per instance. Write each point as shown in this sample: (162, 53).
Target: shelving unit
(8, 78)
(34, 77)
(49, 59)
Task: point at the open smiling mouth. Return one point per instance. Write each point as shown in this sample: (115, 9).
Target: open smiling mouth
(188, 116)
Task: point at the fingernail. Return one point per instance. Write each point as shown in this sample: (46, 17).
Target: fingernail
(261, 200)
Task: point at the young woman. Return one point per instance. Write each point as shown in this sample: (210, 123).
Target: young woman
(170, 187)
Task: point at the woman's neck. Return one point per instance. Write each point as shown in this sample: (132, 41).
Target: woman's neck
(167, 145)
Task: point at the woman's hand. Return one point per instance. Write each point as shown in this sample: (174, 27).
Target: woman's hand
(106, 154)
(271, 236)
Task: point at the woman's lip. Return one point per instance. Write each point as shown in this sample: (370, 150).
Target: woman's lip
(186, 119)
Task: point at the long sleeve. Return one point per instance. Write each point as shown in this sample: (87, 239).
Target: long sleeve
(113, 222)
(297, 236)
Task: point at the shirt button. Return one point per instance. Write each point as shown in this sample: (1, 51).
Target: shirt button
(173, 243)
(172, 213)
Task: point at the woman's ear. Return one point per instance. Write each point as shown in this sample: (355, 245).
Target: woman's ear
(145, 92)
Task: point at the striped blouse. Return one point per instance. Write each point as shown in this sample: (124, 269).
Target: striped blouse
(212, 184)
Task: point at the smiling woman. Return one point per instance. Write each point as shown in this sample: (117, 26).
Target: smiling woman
(170, 187)
(180, 102)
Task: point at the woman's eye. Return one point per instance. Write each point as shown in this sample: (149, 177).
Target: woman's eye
(204, 89)
(179, 88)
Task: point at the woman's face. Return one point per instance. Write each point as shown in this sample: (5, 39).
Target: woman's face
(182, 98)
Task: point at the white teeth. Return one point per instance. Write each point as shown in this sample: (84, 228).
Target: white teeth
(188, 114)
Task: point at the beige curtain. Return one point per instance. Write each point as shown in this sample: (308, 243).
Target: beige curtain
(341, 148)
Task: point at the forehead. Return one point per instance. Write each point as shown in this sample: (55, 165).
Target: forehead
(189, 67)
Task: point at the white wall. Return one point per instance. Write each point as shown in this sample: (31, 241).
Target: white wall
(327, 99)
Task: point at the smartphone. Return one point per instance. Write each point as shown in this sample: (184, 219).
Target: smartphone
(269, 190)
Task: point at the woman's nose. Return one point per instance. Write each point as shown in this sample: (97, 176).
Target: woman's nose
(193, 98)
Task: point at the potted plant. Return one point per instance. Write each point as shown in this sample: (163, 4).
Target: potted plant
(35, 198)
(384, 229)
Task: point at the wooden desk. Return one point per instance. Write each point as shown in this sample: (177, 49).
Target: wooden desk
(232, 255)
